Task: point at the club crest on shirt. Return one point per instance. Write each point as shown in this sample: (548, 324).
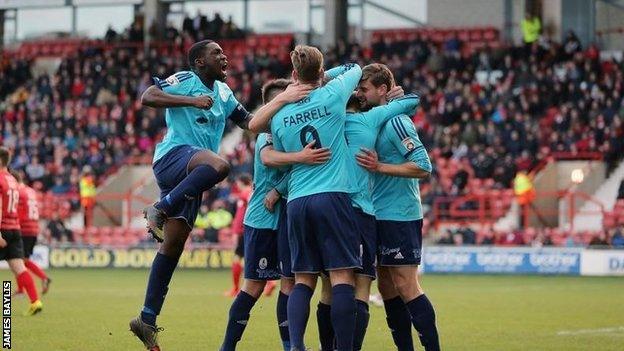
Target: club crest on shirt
(408, 143)
(172, 80)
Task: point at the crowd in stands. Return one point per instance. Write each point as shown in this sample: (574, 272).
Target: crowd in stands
(541, 237)
(197, 28)
(489, 113)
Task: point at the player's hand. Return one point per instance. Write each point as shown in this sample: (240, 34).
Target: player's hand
(203, 102)
(368, 159)
(295, 92)
(311, 156)
(395, 92)
(270, 199)
(3, 243)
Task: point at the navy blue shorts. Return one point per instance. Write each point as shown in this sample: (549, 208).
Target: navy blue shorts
(283, 246)
(170, 170)
(323, 233)
(261, 261)
(400, 243)
(367, 228)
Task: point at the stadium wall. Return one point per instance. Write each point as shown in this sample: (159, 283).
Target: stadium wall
(447, 13)
(437, 259)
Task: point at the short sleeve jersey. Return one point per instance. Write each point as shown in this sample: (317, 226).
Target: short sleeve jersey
(193, 126)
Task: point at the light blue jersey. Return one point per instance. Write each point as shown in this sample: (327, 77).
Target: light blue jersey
(264, 179)
(361, 131)
(396, 198)
(193, 126)
(319, 117)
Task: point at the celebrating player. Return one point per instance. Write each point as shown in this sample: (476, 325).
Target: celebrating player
(396, 199)
(264, 256)
(361, 132)
(28, 213)
(11, 246)
(186, 163)
(321, 227)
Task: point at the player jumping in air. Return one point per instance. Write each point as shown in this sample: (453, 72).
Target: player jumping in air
(321, 226)
(11, 246)
(396, 199)
(28, 213)
(267, 256)
(186, 163)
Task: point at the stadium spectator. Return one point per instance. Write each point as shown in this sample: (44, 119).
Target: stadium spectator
(57, 232)
(87, 194)
(621, 191)
(531, 29)
(111, 34)
(445, 238)
(511, 238)
(617, 237)
(218, 219)
(201, 225)
(599, 241)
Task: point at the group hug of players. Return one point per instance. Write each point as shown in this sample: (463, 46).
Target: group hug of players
(336, 169)
(19, 227)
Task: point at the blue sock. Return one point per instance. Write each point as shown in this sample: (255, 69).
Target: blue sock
(282, 319)
(343, 315)
(200, 179)
(326, 330)
(298, 313)
(361, 323)
(157, 287)
(423, 319)
(239, 316)
(399, 322)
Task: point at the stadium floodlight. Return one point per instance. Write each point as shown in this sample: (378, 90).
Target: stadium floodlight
(577, 176)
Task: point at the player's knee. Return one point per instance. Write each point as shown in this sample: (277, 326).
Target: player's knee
(406, 286)
(254, 287)
(306, 279)
(17, 266)
(342, 276)
(173, 245)
(386, 287)
(222, 167)
(362, 288)
(286, 285)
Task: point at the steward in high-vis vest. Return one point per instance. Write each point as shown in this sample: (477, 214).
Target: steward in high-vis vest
(523, 189)
(87, 194)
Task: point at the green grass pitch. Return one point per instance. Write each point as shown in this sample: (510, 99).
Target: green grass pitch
(90, 310)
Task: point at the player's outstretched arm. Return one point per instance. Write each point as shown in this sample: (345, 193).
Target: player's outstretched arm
(261, 120)
(154, 97)
(398, 106)
(410, 169)
(308, 155)
(346, 79)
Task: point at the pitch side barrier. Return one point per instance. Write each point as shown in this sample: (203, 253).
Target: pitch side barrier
(522, 260)
(436, 259)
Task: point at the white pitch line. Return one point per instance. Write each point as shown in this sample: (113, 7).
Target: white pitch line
(619, 329)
